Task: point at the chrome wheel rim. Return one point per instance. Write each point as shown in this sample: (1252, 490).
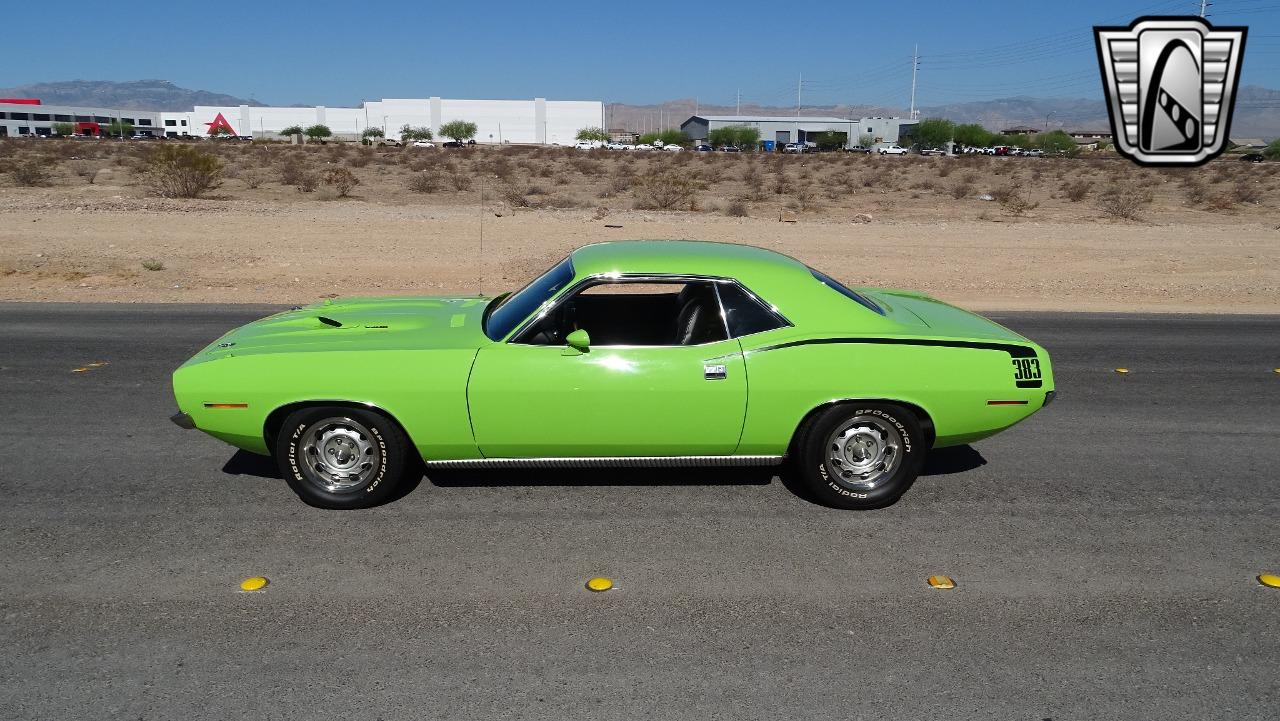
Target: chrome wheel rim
(340, 455)
(863, 452)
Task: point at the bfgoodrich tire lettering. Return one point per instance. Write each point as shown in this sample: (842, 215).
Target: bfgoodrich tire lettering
(342, 458)
(860, 455)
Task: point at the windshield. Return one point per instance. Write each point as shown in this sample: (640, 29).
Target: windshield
(520, 305)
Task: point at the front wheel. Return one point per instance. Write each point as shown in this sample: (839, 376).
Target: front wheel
(861, 455)
(342, 458)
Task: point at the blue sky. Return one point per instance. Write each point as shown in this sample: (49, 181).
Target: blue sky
(339, 53)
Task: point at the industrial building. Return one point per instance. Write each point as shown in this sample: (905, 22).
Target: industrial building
(538, 120)
(782, 129)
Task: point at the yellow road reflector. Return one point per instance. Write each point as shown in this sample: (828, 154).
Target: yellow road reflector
(599, 583)
(79, 370)
(1122, 370)
(1277, 370)
(97, 364)
(941, 582)
(1269, 579)
(254, 583)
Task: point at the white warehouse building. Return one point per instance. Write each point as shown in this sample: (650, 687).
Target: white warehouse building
(538, 120)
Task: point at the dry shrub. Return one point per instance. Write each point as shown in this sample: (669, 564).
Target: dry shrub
(1018, 204)
(425, 181)
(736, 208)
(961, 189)
(341, 180)
(501, 167)
(1124, 200)
(30, 173)
(1195, 189)
(307, 182)
(291, 171)
(1077, 190)
(361, 158)
(805, 197)
(945, 168)
(460, 178)
(1003, 193)
(1247, 193)
(181, 171)
(253, 178)
(781, 183)
(666, 190)
(514, 195)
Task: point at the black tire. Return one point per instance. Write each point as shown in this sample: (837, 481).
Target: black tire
(844, 439)
(371, 456)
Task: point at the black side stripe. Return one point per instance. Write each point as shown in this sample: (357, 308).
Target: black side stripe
(1014, 351)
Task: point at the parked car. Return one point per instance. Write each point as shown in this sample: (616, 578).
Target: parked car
(892, 149)
(730, 149)
(853, 386)
(453, 144)
(703, 148)
(645, 146)
(394, 142)
(932, 151)
(1034, 153)
(857, 149)
(588, 144)
(672, 147)
(617, 146)
(1253, 157)
(793, 148)
(423, 144)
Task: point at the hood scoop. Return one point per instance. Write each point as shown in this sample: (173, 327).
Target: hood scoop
(329, 321)
(334, 323)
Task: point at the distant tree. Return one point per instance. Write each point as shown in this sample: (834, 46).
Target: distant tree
(648, 138)
(673, 137)
(372, 133)
(292, 130)
(408, 134)
(1057, 142)
(973, 135)
(588, 134)
(118, 127)
(1017, 141)
(64, 129)
(742, 136)
(458, 130)
(866, 140)
(829, 139)
(933, 132)
(1272, 151)
(318, 132)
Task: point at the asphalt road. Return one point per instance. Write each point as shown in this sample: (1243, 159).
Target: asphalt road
(1105, 554)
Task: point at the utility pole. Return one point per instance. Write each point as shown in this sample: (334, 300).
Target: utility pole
(1204, 4)
(739, 101)
(799, 86)
(915, 65)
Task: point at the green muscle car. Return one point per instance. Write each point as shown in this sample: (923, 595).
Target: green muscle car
(632, 353)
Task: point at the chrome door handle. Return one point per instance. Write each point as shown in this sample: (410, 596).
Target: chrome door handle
(714, 372)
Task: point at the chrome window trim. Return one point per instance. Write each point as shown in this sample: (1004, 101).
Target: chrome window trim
(603, 278)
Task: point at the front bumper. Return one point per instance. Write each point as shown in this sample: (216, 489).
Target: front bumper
(182, 420)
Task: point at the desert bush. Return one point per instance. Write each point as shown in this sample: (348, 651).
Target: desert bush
(945, 168)
(254, 178)
(1018, 204)
(501, 167)
(1077, 190)
(341, 180)
(307, 182)
(1247, 193)
(666, 190)
(291, 171)
(781, 184)
(460, 178)
(152, 265)
(181, 171)
(361, 158)
(1003, 193)
(425, 181)
(805, 197)
(961, 189)
(1124, 201)
(31, 173)
(1195, 189)
(736, 208)
(514, 195)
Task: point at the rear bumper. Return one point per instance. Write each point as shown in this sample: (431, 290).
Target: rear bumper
(182, 420)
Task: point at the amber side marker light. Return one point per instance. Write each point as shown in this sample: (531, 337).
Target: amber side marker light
(226, 405)
(1006, 403)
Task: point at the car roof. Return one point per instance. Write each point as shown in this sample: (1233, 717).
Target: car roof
(684, 257)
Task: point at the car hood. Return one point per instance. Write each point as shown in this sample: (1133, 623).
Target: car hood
(390, 323)
(942, 320)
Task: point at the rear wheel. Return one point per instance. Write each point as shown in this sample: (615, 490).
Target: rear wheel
(342, 458)
(861, 455)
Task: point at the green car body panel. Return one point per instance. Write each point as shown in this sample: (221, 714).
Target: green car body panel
(461, 395)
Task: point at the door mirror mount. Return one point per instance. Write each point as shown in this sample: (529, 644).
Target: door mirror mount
(578, 341)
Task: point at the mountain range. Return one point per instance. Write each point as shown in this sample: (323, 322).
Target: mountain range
(1257, 112)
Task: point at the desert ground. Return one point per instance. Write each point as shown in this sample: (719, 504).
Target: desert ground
(84, 220)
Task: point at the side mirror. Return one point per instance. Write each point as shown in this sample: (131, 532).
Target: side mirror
(579, 340)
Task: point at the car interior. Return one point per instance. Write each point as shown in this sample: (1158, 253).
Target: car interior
(644, 314)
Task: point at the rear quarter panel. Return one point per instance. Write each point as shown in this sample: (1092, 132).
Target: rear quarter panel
(952, 385)
(424, 390)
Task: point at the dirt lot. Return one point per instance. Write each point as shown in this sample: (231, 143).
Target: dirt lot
(1202, 240)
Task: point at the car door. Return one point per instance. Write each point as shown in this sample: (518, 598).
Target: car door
(615, 399)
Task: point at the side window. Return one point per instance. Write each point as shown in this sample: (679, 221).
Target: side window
(621, 313)
(745, 314)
